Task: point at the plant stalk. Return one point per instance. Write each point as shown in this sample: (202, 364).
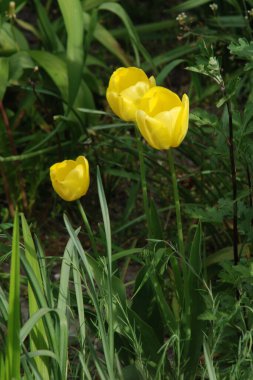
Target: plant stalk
(234, 184)
(88, 227)
(143, 179)
(177, 203)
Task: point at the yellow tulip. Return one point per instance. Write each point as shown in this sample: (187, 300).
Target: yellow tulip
(71, 179)
(126, 87)
(163, 118)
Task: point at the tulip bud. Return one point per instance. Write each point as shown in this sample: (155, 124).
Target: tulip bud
(11, 14)
(71, 179)
(163, 118)
(126, 88)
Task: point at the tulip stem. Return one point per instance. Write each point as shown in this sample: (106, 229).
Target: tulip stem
(88, 227)
(177, 203)
(143, 178)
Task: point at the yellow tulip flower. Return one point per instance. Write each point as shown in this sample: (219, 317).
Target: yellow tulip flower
(163, 118)
(126, 87)
(71, 179)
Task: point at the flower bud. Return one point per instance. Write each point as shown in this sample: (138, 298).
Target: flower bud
(71, 179)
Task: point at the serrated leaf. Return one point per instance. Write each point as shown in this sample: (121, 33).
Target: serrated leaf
(242, 49)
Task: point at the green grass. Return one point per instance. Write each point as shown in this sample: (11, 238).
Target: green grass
(105, 289)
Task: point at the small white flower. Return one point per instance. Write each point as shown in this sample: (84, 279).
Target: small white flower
(250, 12)
(181, 18)
(214, 7)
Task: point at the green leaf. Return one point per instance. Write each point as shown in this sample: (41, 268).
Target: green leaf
(226, 254)
(13, 349)
(73, 18)
(55, 342)
(55, 67)
(106, 218)
(49, 36)
(134, 38)
(167, 70)
(106, 39)
(209, 362)
(38, 337)
(11, 40)
(189, 4)
(4, 75)
(18, 62)
(155, 224)
(194, 304)
(242, 49)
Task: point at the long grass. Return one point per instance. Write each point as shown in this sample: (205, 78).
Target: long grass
(138, 291)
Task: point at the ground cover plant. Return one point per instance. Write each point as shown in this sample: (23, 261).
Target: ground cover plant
(126, 190)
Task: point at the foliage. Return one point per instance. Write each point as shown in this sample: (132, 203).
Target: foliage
(120, 298)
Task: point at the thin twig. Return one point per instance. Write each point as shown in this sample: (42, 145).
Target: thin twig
(6, 187)
(233, 179)
(250, 190)
(14, 152)
(250, 186)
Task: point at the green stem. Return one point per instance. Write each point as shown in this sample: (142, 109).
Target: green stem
(177, 203)
(88, 227)
(143, 179)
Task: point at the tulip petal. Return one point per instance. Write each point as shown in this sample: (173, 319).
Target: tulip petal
(146, 124)
(70, 179)
(125, 77)
(126, 87)
(181, 126)
(169, 121)
(159, 99)
(61, 169)
(113, 100)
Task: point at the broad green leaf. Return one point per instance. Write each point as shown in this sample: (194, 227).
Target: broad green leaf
(106, 39)
(226, 254)
(89, 4)
(55, 67)
(18, 62)
(4, 75)
(7, 44)
(73, 18)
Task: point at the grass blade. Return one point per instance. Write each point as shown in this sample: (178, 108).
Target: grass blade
(189, 4)
(134, 38)
(13, 350)
(38, 336)
(209, 362)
